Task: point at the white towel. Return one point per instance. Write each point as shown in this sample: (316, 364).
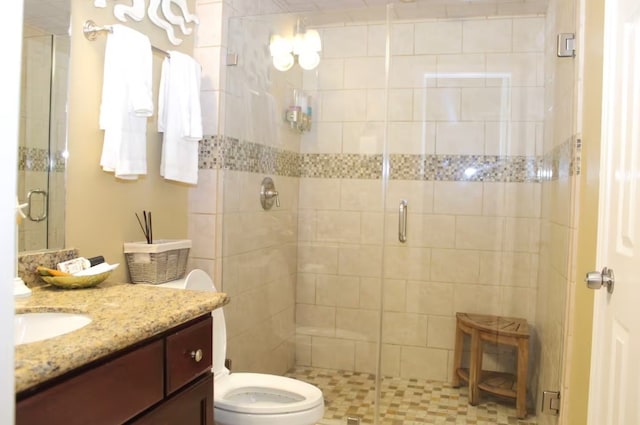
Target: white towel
(180, 117)
(126, 102)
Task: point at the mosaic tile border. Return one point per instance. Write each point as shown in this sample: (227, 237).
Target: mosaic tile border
(37, 159)
(232, 154)
(563, 161)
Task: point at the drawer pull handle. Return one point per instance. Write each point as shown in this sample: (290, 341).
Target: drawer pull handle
(197, 355)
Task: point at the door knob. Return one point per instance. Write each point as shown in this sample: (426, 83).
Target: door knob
(596, 280)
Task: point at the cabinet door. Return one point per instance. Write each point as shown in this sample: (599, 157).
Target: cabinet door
(109, 394)
(191, 406)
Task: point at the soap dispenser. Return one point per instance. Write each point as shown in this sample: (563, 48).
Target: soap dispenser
(20, 290)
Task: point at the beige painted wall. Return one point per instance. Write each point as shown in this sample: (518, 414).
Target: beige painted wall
(100, 208)
(577, 380)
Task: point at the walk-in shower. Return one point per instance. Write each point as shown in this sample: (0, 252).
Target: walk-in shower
(445, 121)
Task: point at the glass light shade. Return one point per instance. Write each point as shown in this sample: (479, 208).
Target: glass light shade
(308, 60)
(280, 46)
(283, 62)
(312, 41)
(299, 44)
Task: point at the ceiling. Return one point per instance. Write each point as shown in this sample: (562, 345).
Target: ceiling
(53, 15)
(49, 15)
(329, 11)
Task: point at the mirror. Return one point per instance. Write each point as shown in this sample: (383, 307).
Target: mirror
(43, 123)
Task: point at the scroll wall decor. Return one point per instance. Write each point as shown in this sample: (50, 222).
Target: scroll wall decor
(160, 13)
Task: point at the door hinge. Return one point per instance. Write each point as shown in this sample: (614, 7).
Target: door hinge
(551, 402)
(232, 59)
(566, 45)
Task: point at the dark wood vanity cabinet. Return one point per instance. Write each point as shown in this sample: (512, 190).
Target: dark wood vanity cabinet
(164, 381)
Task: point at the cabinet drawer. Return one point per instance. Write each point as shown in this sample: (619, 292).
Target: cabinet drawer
(108, 394)
(188, 354)
(190, 406)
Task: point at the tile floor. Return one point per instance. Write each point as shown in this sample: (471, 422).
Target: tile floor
(403, 401)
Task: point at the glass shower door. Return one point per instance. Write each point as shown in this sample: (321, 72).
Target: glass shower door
(42, 139)
(465, 119)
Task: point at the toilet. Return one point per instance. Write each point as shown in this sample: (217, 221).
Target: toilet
(252, 398)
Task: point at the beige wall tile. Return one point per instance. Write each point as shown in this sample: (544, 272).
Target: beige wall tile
(363, 137)
(460, 138)
(412, 71)
(437, 104)
(317, 259)
(307, 225)
(359, 260)
(363, 73)
(511, 138)
(512, 199)
(528, 35)
(306, 288)
(461, 70)
(457, 198)
(491, 35)
(315, 320)
(359, 195)
(490, 267)
(448, 265)
(303, 350)
(324, 137)
(333, 353)
(333, 290)
(354, 324)
(372, 228)
(522, 234)
(483, 233)
(344, 42)
(370, 293)
(407, 263)
(366, 356)
(343, 105)
(418, 194)
(395, 295)
(338, 226)
(481, 299)
(390, 362)
(404, 329)
(519, 302)
(438, 37)
(412, 137)
(485, 104)
(429, 298)
(516, 269)
(441, 332)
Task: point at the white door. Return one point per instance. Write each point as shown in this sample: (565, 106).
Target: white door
(614, 395)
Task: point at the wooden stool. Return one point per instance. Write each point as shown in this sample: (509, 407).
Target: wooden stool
(497, 330)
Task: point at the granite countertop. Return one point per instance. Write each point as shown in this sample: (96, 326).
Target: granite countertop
(122, 314)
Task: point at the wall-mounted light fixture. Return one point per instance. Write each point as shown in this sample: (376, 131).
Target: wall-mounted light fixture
(305, 46)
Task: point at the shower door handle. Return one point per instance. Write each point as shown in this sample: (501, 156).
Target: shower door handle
(402, 221)
(43, 212)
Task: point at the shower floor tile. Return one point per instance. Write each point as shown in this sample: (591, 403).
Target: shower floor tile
(403, 401)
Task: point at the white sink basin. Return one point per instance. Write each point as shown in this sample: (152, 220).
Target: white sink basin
(32, 327)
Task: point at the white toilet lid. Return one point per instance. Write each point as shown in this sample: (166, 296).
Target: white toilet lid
(259, 393)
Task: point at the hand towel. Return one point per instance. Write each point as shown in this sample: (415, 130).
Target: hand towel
(180, 117)
(126, 102)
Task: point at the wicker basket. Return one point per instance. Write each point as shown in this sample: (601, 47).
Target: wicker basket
(159, 262)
